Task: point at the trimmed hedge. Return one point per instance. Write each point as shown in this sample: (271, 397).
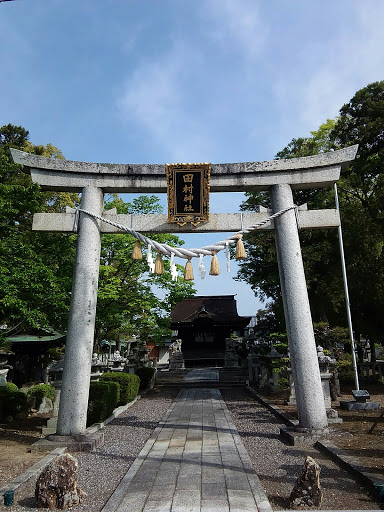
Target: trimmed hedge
(39, 391)
(103, 399)
(145, 374)
(13, 403)
(12, 387)
(129, 385)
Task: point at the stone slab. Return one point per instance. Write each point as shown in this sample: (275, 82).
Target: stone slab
(71, 176)
(83, 443)
(360, 406)
(158, 223)
(293, 437)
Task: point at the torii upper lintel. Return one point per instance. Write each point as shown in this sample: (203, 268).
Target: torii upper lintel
(300, 173)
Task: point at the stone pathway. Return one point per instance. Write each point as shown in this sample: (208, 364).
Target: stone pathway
(201, 375)
(194, 461)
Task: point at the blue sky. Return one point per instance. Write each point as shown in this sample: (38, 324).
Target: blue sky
(156, 81)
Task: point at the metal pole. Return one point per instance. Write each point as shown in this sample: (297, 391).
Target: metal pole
(347, 303)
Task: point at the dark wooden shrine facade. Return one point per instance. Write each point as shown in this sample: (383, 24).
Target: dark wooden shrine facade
(203, 323)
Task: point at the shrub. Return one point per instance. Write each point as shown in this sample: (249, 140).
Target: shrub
(345, 369)
(145, 375)
(129, 385)
(103, 399)
(13, 403)
(39, 391)
(12, 387)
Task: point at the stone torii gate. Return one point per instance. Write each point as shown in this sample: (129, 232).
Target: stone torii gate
(279, 177)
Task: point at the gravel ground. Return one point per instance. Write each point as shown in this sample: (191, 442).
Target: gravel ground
(100, 472)
(278, 465)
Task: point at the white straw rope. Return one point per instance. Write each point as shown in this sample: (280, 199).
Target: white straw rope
(180, 252)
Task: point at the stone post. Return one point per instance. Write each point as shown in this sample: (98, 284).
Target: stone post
(301, 339)
(79, 345)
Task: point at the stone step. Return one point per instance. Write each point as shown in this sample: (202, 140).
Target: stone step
(202, 384)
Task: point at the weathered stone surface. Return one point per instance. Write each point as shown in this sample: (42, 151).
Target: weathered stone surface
(301, 339)
(306, 172)
(56, 486)
(46, 406)
(158, 223)
(307, 492)
(72, 417)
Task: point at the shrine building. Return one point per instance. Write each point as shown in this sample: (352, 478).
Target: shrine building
(202, 323)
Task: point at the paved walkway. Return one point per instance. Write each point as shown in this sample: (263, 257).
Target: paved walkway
(194, 461)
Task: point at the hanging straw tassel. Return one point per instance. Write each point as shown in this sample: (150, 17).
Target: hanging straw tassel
(188, 271)
(159, 265)
(215, 268)
(240, 251)
(136, 252)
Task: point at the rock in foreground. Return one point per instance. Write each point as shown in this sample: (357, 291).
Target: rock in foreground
(307, 492)
(56, 486)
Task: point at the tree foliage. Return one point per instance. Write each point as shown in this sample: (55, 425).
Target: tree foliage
(361, 121)
(130, 300)
(36, 268)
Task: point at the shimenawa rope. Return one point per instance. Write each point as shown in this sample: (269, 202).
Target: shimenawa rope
(180, 252)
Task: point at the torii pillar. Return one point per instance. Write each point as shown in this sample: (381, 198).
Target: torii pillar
(298, 318)
(72, 417)
(277, 176)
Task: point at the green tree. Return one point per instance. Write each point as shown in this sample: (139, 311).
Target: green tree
(361, 202)
(35, 268)
(361, 122)
(319, 248)
(128, 302)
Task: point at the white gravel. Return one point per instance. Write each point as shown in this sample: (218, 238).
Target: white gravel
(278, 465)
(101, 471)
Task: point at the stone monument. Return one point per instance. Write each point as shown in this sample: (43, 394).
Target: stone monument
(176, 359)
(231, 359)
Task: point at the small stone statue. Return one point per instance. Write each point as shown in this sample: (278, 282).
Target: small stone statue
(95, 359)
(176, 360)
(324, 361)
(176, 346)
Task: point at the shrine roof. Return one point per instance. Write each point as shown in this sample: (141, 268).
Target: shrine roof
(222, 309)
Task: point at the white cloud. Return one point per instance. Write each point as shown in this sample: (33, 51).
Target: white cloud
(157, 95)
(236, 23)
(166, 96)
(335, 70)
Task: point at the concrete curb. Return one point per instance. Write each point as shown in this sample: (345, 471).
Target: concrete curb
(338, 455)
(258, 491)
(352, 465)
(283, 416)
(14, 484)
